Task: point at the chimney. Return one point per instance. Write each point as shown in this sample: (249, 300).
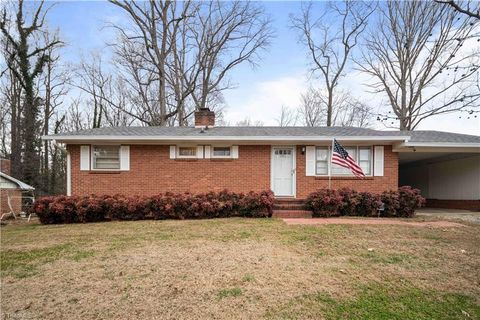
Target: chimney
(5, 166)
(204, 117)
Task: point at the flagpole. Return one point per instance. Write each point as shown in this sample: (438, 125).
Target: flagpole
(330, 167)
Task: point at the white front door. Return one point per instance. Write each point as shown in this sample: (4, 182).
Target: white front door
(283, 171)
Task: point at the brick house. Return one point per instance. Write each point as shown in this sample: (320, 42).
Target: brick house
(291, 161)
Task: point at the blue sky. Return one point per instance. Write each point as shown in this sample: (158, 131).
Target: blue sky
(279, 80)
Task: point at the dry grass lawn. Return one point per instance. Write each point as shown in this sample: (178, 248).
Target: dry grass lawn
(239, 269)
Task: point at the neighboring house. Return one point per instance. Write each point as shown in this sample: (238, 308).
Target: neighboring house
(11, 188)
(292, 161)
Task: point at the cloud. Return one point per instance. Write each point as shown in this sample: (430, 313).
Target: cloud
(262, 101)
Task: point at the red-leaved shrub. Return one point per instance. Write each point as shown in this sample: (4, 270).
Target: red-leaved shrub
(410, 199)
(324, 203)
(367, 204)
(62, 209)
(348, 202)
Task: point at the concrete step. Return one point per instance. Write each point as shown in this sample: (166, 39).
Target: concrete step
(292, 214)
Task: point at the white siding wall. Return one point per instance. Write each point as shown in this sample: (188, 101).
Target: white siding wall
(457, 179)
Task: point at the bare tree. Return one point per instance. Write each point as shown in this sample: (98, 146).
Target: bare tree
(312, 109)
(247, 122)
(288, 117)
(26, 64)
(176, 56)
(52, 89)
(330, 38)
(227, 34)
(348, 112)
(470, 8)
(415, 55)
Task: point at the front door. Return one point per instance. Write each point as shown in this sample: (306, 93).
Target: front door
(283, 171)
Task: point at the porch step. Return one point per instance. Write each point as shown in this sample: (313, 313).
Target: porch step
(292, 214)
(289, 204)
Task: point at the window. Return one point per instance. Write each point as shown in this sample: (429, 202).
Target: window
(361, 155)
(221, 152)
(106, 157)
(342, 171)
(187, 152)
(322, 160)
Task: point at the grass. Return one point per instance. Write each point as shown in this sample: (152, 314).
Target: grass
(230, 292)
(239, 268)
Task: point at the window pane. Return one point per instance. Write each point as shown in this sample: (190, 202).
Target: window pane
(106, 157)
(221, 151)
(365, 154)
(322, 160)
(322, 167)
(322, 154)
(187, 151)
(365, 165)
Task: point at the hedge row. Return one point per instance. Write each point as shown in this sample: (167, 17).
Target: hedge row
(76, 209)
(348, 202)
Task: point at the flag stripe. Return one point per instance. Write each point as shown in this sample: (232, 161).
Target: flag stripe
(341, 157)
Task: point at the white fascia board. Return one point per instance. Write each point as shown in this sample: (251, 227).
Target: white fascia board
(224, 138)
(442, 144)
(437, 147)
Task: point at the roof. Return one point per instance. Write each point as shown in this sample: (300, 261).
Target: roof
(21, 185)
(157, 133)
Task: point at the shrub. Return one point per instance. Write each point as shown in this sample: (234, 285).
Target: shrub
(391, 203)
(324, 203)
(367, 204)
(93, 208)
(349, 201)
(409, 199)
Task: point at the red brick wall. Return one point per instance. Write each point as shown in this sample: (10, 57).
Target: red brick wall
(151, 172)
(472, 205)
(389, 181)
(5, 166)
(16, 200)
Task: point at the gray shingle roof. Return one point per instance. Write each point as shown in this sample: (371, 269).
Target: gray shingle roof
(185, 132)
(441, 136)
(229, 131)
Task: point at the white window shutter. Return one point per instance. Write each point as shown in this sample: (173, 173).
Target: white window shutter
(378, 161)
(84, 158)
(310, 161)
(173, 152)
(235, 152)
(199, 152)
(208, 152)
(125, 158)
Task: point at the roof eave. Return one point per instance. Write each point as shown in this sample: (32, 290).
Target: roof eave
(121, 138)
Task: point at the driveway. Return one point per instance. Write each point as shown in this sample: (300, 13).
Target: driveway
(465, 215)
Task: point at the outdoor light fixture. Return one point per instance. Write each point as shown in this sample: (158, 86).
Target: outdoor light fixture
(303, 150)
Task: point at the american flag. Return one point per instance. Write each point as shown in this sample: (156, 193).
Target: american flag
(341, 157)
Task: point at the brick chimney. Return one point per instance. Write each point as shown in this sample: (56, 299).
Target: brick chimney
(204, 117)
(5, 166)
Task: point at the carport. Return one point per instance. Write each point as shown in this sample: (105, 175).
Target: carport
(444, 166)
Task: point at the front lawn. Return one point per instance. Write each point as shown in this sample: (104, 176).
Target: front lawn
(239, 269)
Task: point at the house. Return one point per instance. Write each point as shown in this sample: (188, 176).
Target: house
(11, 190)
(292, 161)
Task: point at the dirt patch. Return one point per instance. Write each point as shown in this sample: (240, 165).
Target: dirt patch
(372, 221)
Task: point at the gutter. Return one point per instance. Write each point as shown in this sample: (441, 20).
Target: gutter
(69, 138)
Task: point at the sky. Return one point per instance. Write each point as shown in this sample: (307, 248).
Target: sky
(259, 94)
